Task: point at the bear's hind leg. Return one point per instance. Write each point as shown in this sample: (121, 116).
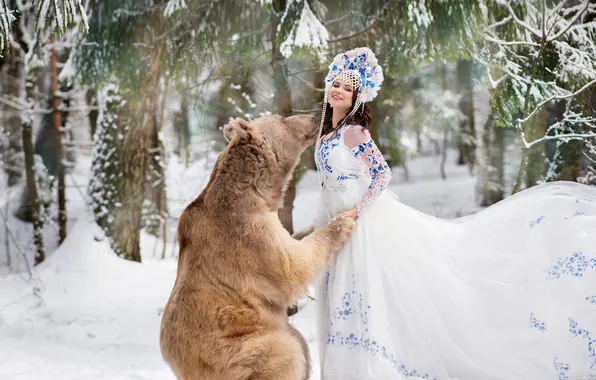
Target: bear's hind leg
(305, 351)
(276, 356)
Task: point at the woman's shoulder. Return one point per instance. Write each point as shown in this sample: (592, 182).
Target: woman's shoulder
(355, 135)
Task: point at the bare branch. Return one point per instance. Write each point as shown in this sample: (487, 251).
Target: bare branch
(303, 71)
(344, 38)
(335, 21)
(310, 84)
(314, 110)
(378, 19)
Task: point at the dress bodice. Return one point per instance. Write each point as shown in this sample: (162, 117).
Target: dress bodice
(350, 164)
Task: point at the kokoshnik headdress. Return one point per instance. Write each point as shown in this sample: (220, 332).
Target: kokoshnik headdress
(360, 68)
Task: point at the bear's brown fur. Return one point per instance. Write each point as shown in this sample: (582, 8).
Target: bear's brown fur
(239, 269)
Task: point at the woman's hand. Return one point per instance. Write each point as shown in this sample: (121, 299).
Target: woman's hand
(353, 213)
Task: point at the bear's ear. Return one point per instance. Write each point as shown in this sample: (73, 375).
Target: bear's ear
(237, 127)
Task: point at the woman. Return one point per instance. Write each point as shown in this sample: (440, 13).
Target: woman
(508, 293)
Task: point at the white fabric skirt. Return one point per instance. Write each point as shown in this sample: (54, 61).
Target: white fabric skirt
(508, 293)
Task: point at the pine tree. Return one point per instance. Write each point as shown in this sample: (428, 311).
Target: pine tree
(544, 53)
(133, 85)
(106, 162)
(12, 148)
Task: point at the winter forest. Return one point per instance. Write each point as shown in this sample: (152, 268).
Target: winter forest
(111, 116)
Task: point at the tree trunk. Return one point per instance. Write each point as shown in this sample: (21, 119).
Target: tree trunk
(13, 152)
(134, 158)
(161, 165)
(491, 168)
(467, 138)
(57, 119)
(442, 71)
(498, 162)
(418, 140)
(164, 214)
(91, 98)
(521, 171)
(535, 129)
(571, 154)
(27, 134)
(283, 96)
(444, 153)
(182, 128)
(589, 147)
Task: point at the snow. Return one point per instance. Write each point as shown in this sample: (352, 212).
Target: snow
(88, 314)
(173, 6)
(309, 32)
(419, 15)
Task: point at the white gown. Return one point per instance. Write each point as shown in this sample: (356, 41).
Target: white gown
(508, 293)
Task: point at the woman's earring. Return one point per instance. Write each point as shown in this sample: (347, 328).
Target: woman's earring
(330, 105)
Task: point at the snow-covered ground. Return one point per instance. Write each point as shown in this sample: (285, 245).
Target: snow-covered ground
(87, 314)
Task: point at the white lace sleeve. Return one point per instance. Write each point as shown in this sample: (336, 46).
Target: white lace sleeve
(362, 146)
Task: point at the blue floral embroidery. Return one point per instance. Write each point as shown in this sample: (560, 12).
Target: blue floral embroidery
(347, 176)
(574, 265)
(591, 299)
(562, 369)
(575, 330)
(325, 148)
(536, 222)
(352, 304)
(361, 148)
(380, 173)
(365, 343)
(575, 214)
(537, 324)
(373, 155)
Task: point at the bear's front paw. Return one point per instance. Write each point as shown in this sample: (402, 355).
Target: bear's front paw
(341, 230)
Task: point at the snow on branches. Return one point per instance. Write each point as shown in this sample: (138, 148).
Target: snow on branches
(6, 19)
(306, 31)
(65, 13)
(542, 54)
(174, 6)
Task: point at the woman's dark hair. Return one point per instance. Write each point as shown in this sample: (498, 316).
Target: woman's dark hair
(361, 116)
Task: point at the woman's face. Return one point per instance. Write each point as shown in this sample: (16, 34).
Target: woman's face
(340, 95)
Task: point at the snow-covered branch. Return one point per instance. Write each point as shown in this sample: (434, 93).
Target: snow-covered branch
(65, 13)
(545, 55)
(555, 97)
(566, 136)
(569, 23)
(6, 19)
(490, 38)
(174, 6)
(524, 24)
(307, 32)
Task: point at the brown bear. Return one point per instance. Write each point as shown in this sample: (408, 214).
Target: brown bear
(238, 268)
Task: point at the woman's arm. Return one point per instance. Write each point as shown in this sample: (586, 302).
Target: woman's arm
(363, 147)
